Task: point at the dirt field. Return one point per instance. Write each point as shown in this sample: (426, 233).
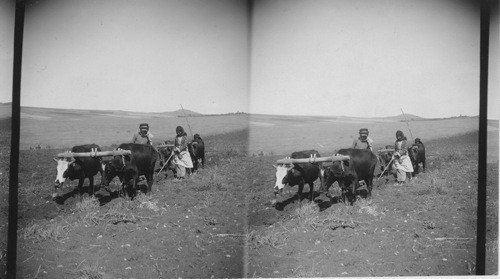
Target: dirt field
(220, 222)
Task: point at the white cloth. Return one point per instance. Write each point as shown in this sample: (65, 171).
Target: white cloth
(403, 163)
(184, 160)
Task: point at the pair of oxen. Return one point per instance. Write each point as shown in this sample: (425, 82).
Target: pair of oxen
(354, 176)
(130, 169)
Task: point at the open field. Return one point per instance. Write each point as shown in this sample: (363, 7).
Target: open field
(66, 128)
(284, 134)
(220, 222)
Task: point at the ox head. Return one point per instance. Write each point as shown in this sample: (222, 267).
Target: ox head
(112, 169)
(282, 172)
(331, 174)
(62, 166)
(413, 152)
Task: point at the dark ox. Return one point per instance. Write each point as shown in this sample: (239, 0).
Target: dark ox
(129, 168)
(386, 162)
(354, 175)
(297, 174)
(196, 149)
(78, 168)
(417, 155)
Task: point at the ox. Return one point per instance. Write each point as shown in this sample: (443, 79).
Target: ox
(79, 168)
(129, 168)
(386, 162)
(298, 174)
(354, 175)
(196, 149)
(165, 157)
(417, 155)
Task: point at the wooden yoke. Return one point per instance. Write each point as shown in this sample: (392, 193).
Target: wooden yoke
(332, 158)
(164, 145)
(94, 153)
(385, 150)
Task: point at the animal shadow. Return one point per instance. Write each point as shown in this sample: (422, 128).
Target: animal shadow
(280, 206)
(74, 193)
(325, 204)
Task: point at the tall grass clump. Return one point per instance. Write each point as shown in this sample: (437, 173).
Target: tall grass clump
(430, 184)
(90, 272)
(273, 237)
(368, 207)
(52, 231)
(88, 204)
(147, 202)
(213, 179)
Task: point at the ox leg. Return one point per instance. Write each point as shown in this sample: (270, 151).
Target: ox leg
(133, 190)
(150, 182)
(369, 185)
(423, 165)
(80, 187)
(299, 192)
(195, 165)
(311, 191)
(55, 194)
(123, 191)
(203, 161)
(91, 185)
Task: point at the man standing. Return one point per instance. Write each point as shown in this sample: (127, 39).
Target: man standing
(363, 142)
(143, 136)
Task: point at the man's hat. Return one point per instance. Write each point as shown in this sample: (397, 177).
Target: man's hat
(144, 126)
(363, 131)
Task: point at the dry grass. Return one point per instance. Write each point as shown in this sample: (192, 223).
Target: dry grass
(430, 184)
(275, 238)
(52, 231)
(211, 179)
(147, 202)
(88, 204)
(368, 207)
(90, 272)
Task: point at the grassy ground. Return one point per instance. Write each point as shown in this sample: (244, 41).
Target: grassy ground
(220, 222)
(5, 124)
(192, 229)
(426, 227)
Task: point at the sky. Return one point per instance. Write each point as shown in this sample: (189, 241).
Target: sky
(366, 58)
(143, 56)
(313, 57)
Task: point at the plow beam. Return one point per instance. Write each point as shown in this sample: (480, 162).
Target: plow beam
(94, 154)
(333, 158)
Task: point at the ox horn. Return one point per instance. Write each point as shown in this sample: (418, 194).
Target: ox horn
(72, 160)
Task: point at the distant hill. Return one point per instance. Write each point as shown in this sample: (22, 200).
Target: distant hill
(179, 112)
(404, 117)
(5, 110)
(47, 113)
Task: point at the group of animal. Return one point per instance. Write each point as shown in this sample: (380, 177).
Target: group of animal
(128, 168)
(354, 176)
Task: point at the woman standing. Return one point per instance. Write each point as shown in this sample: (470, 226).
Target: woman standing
(402, 161)
(182, 159)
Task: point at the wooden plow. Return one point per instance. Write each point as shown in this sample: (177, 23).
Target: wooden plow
(94, 153)
(313, 159)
